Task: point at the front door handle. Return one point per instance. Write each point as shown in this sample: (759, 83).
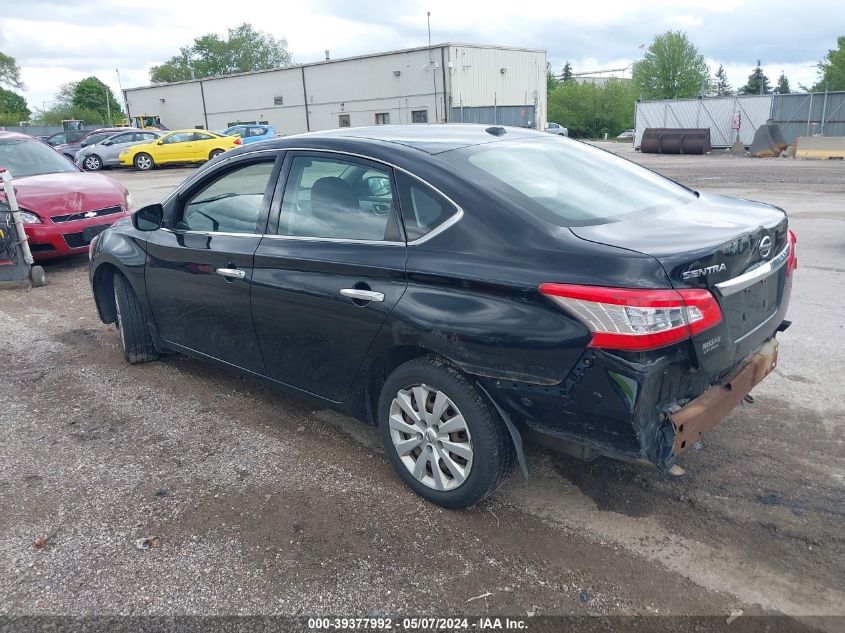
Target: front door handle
(362, 295)
(231, 273)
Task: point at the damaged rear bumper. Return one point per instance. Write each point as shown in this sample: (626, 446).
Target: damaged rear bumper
(645, 407)
(711, 407)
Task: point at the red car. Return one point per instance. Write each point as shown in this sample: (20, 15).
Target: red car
(62, 207)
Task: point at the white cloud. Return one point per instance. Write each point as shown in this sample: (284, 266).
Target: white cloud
(56, 41)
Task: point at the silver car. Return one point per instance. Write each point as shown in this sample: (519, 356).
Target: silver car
(556, 128)
(106, 152)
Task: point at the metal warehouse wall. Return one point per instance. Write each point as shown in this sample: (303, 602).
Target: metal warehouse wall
(255, 97)
(715, 113)
(795, 113)
(397, 84)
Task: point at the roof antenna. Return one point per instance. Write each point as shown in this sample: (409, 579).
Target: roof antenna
(431, 62)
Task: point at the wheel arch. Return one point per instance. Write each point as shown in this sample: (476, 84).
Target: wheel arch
(102, 284)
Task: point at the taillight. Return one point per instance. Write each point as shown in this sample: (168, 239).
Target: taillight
(632, 319)
(792, 261)
(238, 141)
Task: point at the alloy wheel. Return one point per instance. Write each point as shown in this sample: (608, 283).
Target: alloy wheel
(92, 163)
(143, 162)
(431, 437)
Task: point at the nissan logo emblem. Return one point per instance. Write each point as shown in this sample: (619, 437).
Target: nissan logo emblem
(765, 247)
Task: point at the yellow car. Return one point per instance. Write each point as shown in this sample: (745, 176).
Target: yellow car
(178, 146)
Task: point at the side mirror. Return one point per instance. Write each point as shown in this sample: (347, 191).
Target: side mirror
(160, 143)
(107, 143)
(378, 185)
(149, 218)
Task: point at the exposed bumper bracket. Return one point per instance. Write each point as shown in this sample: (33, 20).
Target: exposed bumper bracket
(706, 411)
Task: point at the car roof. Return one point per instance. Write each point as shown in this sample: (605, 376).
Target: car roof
(429, 138)
(10, 136)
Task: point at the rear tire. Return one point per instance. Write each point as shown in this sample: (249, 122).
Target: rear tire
(143, 162)
(215, 153)
(135, 339)
(92, 162)
(455, 430)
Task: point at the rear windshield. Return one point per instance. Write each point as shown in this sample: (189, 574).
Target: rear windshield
(23, 157)
(566, 182)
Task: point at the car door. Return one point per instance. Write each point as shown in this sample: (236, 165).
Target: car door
(202, 146)
(109, 153)
(177, 147)
(329, 270)
(199, 272)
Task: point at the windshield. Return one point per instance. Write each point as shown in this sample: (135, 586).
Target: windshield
(24, 157)
(566, 182)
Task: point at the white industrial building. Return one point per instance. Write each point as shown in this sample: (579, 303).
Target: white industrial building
(442, 83)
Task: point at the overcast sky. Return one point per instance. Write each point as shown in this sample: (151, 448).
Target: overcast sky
(56, 41)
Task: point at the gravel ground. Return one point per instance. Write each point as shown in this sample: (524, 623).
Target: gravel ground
(263, 505)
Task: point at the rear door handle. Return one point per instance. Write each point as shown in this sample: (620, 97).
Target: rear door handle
(362, 295)
(231, 273)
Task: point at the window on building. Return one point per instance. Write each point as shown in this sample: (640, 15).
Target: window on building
(278, 100)
(343, 120)
(382, 118)
(419, 116)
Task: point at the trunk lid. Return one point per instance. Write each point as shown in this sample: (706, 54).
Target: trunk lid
(712, 240)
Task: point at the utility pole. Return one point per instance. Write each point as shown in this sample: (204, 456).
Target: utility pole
(108, 103)
(431, 64)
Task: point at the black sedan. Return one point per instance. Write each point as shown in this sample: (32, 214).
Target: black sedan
(461, 288)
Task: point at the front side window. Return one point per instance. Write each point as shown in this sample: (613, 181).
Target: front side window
(419, 116)
(339, 199)
(178, 137)
(122, 138)
(423, 209)
(229, 204)
(28, 157)
(95, 138)
(568, 184)
(383, 118)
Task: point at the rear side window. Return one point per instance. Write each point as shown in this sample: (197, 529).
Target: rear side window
(338, 199)
(423, 209)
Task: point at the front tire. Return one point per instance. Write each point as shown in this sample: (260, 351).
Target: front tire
(143, 162)
(135, 339)
(442, 435)
(92, 162)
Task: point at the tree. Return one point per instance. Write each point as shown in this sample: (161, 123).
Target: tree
(566, 75)
(721, 86)
(671, 68)
(13, 105)
(92, 94)
(758, 83)
(245, 49)
(551, 80)
(783, 84)
(589, 110)
(10, 72)
(64, 95)
(832, 68)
